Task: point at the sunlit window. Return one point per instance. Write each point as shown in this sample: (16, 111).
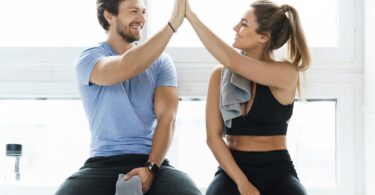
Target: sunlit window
(46, 23)
(54, 133)
(312, 142)
(311, 121)
(221, 16)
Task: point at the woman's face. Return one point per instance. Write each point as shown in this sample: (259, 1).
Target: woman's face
(247, 39)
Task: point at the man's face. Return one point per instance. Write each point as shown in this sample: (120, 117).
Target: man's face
(130, 20)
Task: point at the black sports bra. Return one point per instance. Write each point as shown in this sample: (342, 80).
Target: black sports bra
(266, 116)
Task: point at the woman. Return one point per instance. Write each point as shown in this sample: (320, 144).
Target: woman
(253, 157)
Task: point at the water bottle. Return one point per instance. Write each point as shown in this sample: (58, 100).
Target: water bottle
(12, 166)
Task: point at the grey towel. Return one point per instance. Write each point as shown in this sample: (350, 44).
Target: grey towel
(132, 186)
(234, 90)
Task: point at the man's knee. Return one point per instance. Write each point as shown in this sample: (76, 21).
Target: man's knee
(172, 181)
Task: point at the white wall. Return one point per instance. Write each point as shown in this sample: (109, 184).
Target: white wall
(369, 96)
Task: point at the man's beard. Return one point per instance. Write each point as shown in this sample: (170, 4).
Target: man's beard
(126, 36)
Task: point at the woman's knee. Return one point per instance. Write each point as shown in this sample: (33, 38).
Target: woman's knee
(223, 185)
(286, 186)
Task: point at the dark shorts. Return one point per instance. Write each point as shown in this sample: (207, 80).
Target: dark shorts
(272, 173)
(98, 176)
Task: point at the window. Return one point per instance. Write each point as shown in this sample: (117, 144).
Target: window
(46, 23)
(223, 16)
(41, 41)
(315, 163)
(48, 140)
(331, 38)
(49, 25)
(321, 138)
(53, 133)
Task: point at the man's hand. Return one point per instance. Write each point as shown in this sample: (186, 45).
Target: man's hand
(146, 177)
(178, 13)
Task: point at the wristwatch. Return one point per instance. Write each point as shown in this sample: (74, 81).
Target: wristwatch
(153, 168)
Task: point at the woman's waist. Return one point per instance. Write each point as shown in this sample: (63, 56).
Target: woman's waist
(256, 143)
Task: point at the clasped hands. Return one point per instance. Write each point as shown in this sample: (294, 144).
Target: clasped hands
(180, 11)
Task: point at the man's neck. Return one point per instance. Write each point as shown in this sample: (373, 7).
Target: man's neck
(118, 44)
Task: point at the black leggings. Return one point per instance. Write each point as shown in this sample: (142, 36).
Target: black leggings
(272, 173)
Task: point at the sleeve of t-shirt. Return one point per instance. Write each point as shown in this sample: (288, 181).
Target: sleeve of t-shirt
(86, 62)
(167, 75)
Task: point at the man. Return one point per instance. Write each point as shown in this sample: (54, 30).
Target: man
(130, 97)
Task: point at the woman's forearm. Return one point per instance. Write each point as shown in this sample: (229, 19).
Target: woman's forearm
(226, 160)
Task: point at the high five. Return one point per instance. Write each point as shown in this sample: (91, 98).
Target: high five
(129, 92)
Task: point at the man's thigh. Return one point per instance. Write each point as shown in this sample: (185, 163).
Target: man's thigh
(171, 181)
(87, 181)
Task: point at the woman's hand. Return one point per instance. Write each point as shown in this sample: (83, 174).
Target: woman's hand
(178, 13)
(189, 12)
(247, 189)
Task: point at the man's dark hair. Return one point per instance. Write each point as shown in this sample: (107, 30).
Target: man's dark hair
(111, 6)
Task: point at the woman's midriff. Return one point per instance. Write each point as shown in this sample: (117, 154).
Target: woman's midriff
(256, 143)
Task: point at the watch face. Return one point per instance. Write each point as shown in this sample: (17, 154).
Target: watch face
(153, 168)
(150, 166)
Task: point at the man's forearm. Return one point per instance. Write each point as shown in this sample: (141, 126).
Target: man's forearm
(140, 57)
(161, 141)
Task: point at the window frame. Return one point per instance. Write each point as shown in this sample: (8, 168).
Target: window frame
(348, 151)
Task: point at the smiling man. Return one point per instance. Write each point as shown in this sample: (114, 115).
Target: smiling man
(129, 93)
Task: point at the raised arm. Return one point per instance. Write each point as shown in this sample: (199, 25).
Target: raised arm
(214, 128)
(112, 70)
(277, 74)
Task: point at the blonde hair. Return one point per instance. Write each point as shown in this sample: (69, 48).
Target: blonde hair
(283, 24)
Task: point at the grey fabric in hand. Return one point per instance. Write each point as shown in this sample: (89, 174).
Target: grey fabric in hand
(132, 186)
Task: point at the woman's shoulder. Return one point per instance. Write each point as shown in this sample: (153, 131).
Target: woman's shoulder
(217, 69)
(216, 74)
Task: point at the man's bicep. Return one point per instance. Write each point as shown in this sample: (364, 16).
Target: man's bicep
(166, 101)
(107, 71)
